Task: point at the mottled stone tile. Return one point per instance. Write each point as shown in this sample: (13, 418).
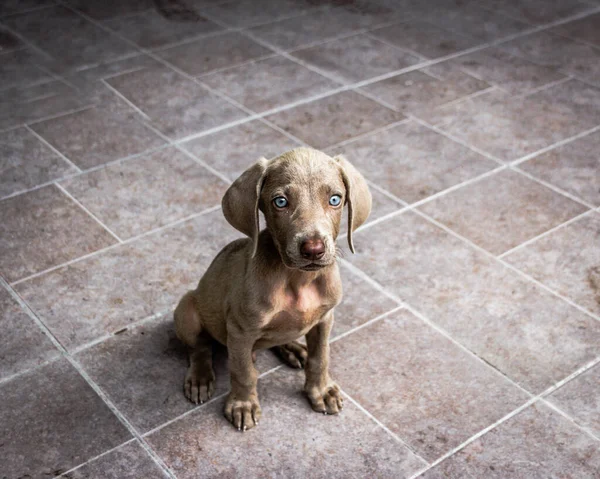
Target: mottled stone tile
(526, 333)
(580, 399)
(150, 29)
(147, 192)
(538, 442)
(51, 420)
(513, 74)
(127, 283)
(233, 150)
(111, 8)
(100, 134)
(413, 162)
(10, 7)
(176, 105)
(502, 211)
(9, 42)
(19, 69)
(356, 58)
(335, 118)
(72, 41)
(420, 385)
(510, 128)
(567, 260)
(554, 51)
(539, 11)
(573, 167)
(425, 39)
(127, 462)
(212, 53)
(26, 162)
(44, 228)
(246, 14)
(289, 440)
(319, 26)
(425, 89)
(585, 29)
(269, 83)
(23, 343)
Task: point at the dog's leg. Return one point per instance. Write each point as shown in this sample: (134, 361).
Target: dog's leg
(324, 395)
(293, 354)
(242, 408)
(199, 384)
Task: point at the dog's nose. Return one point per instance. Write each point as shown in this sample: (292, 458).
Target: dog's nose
(312, 249)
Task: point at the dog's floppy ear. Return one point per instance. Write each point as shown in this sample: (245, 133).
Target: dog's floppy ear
(241, 201)
(358, 196)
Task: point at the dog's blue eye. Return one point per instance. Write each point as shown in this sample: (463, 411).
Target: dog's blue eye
(335, 200)
(280, 202)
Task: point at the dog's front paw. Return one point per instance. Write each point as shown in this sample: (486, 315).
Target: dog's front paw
(243, 414)
(327, 400)
(199, 385)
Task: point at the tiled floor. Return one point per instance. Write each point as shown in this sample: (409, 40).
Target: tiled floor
(468, 341)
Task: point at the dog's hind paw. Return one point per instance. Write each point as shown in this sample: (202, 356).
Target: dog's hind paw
(293, 354)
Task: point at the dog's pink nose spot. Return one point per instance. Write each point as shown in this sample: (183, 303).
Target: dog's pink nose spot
(312, 249)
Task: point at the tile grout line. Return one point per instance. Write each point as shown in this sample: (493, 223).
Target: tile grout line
(95, 458)
(88, 212)
(546, 233)
(52, 148)
(541, 88)
(377, 318)
(125, 99)
(567, 416)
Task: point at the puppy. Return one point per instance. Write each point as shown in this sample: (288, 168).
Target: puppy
(281, 283)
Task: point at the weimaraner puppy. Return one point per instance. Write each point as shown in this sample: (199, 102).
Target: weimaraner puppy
(281, 283)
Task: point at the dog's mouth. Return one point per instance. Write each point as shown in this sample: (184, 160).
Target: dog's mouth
(312, 267)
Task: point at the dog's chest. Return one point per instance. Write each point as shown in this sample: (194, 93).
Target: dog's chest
(296, 310)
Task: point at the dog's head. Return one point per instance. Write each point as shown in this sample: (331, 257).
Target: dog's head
(302, 194)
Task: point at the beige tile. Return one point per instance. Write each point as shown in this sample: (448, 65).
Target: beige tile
(572, 167)
(290, 440)
(422, 387)
(538, 442)
(526, 333)
(269, 83)
(128, 282)
(567, 260)
(144, 193)
(413, 162)
(44, 228)
(51, 420)
(336, 118)
(502, 211)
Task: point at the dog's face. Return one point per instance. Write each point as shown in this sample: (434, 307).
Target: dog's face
(302, 199)
(302, 194)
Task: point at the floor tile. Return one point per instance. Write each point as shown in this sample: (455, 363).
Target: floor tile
(9, 42)
(580, 399)
(413, 162)
(26, 162)
(513, 74)
(150, 29)
(245, 14)
(127, 462)
(176, 105)
(425, 89)
(127, 283)
(288, 426)
(111, 8)
(19, 68)
(23, 343)
(213, 53)
(502, 211)
(335, 118)
(44, 228)
(586, 29)
(538, 442)
(269, 83)
(425, 39)
(539, 11)
(10, 7)
(233, 150)
(356, 58)
(420, 385)
(72, 41)
(147, 192)
(554, 51)
(526, 333)
(51, 420)
(382, 205)
(99, 134)
(319, 26)
(573, 167)
(567, 261)
(510, 128)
